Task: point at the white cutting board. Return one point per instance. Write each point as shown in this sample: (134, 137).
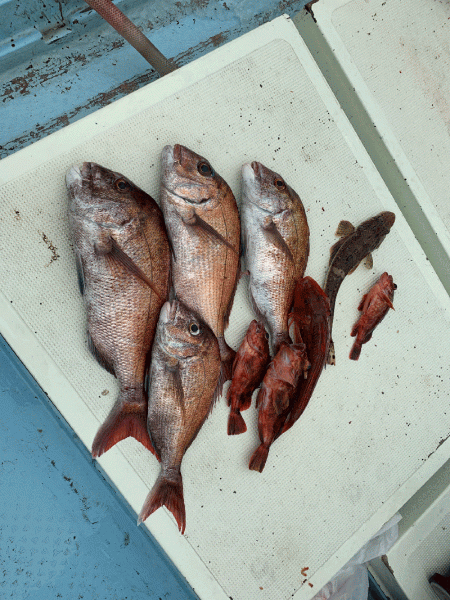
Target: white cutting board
(396, 54)
(374, 431)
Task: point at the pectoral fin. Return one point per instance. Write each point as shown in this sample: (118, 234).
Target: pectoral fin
(114, 251)
(368, 261)
(212, 233)
(388, 301)
(274, 237)
(345, 228)
(173, 376)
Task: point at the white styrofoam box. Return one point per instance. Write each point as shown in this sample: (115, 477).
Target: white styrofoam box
(396, 55)
(374, 431)
(423, 546)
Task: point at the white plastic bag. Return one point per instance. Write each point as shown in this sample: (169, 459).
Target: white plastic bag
(352, 581)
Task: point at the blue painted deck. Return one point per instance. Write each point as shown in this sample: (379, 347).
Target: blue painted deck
(64, 532)
(60, 61)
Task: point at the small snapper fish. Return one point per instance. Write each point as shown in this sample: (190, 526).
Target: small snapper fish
(249, 367)
(274, 397)
(355, 245)
(374, 306)
(123, 262)
(275, 238)
(202, 220)
(184, 373)
(310, 323)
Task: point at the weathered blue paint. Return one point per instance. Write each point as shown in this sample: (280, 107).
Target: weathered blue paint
(59, 61)
(64, 532)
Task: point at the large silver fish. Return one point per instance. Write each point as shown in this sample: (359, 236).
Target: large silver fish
(275, 238)
(183, 376)
(123, 262)
(202, 221)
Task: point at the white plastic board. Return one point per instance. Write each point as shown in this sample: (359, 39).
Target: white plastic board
(375, 429)
(396, 54)
(423, 546)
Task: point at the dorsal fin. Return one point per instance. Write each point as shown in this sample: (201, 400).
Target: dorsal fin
(274, 237)
(344, 228)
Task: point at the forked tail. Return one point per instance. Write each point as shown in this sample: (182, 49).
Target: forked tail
(236, 423)
(258, 459)
(169, 493)
(125, 419)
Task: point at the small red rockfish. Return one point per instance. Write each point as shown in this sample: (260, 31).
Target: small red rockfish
(275, 396)
(249, 367)
(374, 306)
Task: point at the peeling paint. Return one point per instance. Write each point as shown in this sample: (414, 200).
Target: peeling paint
(52, 78)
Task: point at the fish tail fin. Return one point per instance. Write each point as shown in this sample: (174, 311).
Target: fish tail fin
(168, 493)
(125, 419)
(258, 459)
(355, 351)
(236, 423)
(227, 356)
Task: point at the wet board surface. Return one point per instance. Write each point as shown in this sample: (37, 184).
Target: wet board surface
(397, 57)
(374, 431)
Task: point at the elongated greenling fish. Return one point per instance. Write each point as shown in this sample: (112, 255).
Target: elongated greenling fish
(355, 245)
(123, 261)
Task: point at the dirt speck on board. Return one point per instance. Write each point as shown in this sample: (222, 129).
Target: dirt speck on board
(53, 249)
(17, 215)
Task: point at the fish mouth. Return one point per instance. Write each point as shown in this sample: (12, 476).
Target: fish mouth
(248, 173)
(73, 176)
(79, 173)
(177, 153)
(257, 168)
(168, 312)
(389, 218)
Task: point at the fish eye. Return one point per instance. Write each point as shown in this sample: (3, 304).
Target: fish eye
(122, 185)
(395, 286)
(205, 168)
(194, 329)
(266, 335)
(279, 183)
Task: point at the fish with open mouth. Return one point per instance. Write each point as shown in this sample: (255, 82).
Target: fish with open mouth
(249, 367)
(183, 376)
(374, 306)
(123, 263)
(355, 245)
(275, 240)
(203, 224)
